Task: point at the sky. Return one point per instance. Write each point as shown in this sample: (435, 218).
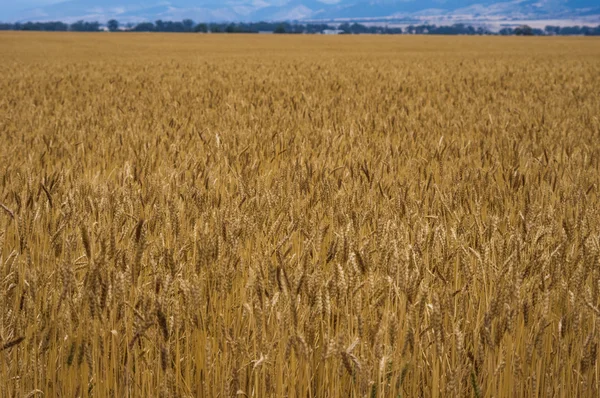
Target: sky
(238, 10)
(25, 4)
(12, 7)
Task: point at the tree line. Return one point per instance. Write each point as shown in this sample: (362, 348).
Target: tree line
(187, 25)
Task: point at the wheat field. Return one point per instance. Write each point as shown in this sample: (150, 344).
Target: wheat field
(299, 216)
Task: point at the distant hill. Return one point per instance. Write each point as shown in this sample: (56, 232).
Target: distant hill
(329, 10)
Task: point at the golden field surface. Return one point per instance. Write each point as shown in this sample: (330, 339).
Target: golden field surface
(299, 216)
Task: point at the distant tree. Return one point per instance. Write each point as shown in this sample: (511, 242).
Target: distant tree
(44, 26)
(188, 25)
(77, 26)
(144, 27)
(345, 28)
(201, 28)
(297, 28)
(175, 27)
(552, 30)
(421, 29)
(82, 26)
(571, 31)
(29, 26)
(537, 32)
(524, 30)
(113, 25)
(357, 28)
(316, 28)
(594, 31)
(58, 26)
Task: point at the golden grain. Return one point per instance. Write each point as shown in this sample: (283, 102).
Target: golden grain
(199, 215)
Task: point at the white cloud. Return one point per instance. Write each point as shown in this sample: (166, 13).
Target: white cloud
(38, 13)
(268, 3)
(299, 12)
(260, 4)
(243, 10)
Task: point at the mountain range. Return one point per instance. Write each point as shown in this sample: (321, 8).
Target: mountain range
(448, 11)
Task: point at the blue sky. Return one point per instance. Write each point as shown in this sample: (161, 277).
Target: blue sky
(8, 8)
(25, 4)
(239, 10)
